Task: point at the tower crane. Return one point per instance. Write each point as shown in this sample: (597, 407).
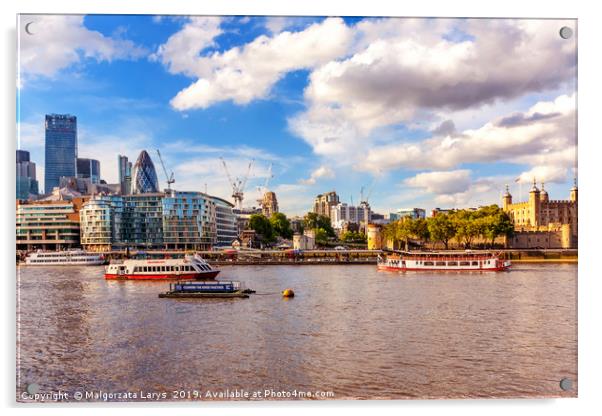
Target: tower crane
(237, 184)
(170, 178)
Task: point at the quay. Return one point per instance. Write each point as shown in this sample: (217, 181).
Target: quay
(232, 257)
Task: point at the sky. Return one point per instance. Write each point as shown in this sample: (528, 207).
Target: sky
(415, 112)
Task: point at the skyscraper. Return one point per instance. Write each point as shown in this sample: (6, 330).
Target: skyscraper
(61, 149)
(144, 176)
(26, 176)
(88, 169)
(125, 174)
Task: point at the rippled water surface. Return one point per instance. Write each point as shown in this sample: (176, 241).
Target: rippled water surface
(350, 330)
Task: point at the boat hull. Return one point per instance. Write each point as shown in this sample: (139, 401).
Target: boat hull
(441, 269)
(164, 276)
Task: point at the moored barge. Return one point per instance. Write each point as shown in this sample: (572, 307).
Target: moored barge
(443, 261)
(206, 289)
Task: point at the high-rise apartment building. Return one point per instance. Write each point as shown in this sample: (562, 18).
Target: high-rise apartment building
(60, 149)
(324, 202)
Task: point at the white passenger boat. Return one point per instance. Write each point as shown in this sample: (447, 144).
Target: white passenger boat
(443, 261)
(190, 267)
(64, 258)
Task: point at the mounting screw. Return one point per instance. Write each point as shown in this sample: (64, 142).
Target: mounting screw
(566, 32)
(566, 384)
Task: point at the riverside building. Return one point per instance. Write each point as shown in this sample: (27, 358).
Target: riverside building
(160, 221)
(48, 225)
(541, 222)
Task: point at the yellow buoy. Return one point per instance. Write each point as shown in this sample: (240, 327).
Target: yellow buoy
(288, 293)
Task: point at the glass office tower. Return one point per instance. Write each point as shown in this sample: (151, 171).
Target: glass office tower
(88, 169)
(144, 176)
(61, 149)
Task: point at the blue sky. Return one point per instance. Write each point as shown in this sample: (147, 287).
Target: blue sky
(425, 112)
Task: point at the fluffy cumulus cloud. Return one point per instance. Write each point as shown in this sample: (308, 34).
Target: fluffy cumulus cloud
(545, 136)
(321, 172)
(59, 41)
(245, 73)
(406, 76)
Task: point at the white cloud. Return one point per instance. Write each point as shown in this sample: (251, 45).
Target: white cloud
(246, 73)
(544, 134)
(321, 172)
(181, 52)
(410, 72)
(442, 182)
(59, 41)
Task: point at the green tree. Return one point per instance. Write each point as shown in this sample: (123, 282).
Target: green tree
(497, 225)
(441, 228)
(321, 236)
(353, 237)
(314, 221)
(262, 227)
(420, 230)
(469, 225)
(281, 225)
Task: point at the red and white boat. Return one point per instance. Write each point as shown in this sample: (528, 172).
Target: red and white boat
(190, 267)
(443, 261)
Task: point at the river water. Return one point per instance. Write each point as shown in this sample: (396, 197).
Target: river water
(350, 332)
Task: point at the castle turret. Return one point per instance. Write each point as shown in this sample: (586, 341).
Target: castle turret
(534, 205)
(506, 199)
(573, 194)
(543, 196)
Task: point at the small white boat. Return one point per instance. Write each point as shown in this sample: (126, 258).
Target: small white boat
(190, 267)
(443, 261)
(64, 258)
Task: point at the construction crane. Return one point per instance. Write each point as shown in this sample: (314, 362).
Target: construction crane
(366, 198)
(263, 189)
(170, 178)
(238, 184)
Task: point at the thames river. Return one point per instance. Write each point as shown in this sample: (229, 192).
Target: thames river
(350, 332)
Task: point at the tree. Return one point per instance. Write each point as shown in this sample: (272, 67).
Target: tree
(469, 225)
(321, 236)
(441, 228)
(498, 225)
(353, 237)
(262, 227)
(281, 225)
(314, 221)
(420, 230)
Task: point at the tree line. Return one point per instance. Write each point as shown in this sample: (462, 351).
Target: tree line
(464, 226)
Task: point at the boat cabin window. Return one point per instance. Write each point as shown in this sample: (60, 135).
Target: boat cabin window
(440, 263)
(452, 263)
(464, 263)
(475, 263)
(428, 263)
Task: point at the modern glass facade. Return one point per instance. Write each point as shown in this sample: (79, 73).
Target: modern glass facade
(144, 176)
(226, 222)
(100, 223)
(60, 149)
(173, 221)
(88, 169)
(188, 221)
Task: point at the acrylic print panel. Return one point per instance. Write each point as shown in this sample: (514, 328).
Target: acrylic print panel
(295, 208)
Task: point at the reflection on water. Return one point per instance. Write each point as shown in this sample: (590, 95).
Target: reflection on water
(350, 329)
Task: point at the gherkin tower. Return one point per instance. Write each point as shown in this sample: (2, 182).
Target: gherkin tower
(144, 176)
